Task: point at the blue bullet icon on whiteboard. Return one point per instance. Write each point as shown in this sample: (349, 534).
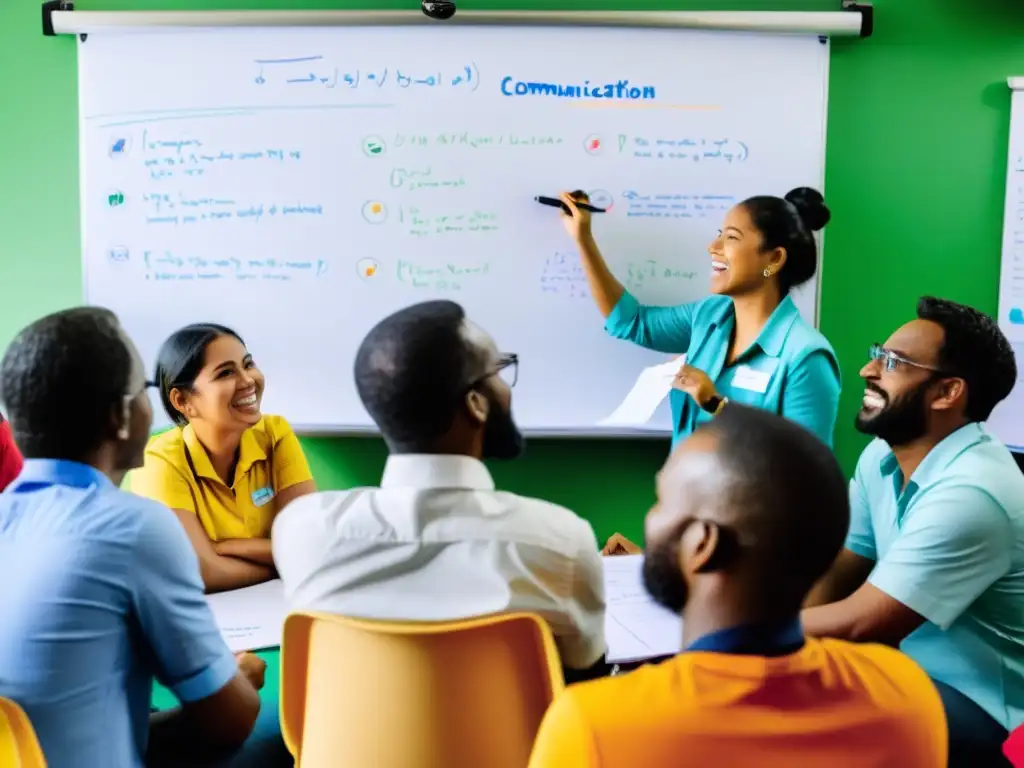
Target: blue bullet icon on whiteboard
(119, 146)
(1017, 316)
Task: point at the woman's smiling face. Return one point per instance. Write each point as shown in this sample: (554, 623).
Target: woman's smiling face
(228, 389)
(738, 258)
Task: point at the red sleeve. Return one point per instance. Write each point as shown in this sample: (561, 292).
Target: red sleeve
(1014, 747)
(10, 456)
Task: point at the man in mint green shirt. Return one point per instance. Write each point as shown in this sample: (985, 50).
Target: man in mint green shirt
(934, 560)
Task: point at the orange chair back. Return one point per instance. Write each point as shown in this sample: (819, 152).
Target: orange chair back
(369, 694)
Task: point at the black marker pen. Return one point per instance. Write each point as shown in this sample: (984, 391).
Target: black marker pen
(554, 202)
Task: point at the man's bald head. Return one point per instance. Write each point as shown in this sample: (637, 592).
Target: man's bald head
(752, 497)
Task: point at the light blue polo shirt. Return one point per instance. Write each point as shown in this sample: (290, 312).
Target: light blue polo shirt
(101, 593)
(950, 546)
(790, 369)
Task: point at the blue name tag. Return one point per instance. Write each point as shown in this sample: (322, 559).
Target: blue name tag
(262, 496)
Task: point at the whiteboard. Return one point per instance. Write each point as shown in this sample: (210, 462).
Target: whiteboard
(300, 184)
(1007, 420)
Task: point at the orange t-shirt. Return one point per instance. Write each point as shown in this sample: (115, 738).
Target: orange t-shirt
(832, 704)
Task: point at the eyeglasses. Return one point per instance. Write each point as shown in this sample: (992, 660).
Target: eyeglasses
(891, 361)
(507, 367)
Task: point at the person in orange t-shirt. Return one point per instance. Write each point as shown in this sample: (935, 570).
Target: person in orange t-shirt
(10, 456)
(752, 509)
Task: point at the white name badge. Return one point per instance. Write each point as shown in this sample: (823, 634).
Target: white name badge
(262, 495)
(751, 380)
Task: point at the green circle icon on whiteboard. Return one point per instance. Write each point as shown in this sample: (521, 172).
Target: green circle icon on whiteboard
(374, 146)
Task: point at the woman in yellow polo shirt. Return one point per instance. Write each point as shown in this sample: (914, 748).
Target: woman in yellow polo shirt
(226, 469)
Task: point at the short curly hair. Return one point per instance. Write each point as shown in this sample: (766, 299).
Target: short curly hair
(412, 371)
(62, 379)
(975, 350)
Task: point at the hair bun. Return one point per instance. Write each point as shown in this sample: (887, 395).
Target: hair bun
(810, 205)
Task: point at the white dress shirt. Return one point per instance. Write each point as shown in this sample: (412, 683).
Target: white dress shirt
(437, 542)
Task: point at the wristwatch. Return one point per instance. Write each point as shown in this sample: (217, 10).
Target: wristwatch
(714, 404)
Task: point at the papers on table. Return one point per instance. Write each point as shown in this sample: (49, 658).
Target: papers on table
(250, 618)
(651, 387)
(636, 628)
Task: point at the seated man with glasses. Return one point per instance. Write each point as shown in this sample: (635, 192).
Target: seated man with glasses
(934, 560)
(436, 541)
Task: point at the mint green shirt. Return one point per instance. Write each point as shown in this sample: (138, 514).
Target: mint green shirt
(790, 369)
(949, 545)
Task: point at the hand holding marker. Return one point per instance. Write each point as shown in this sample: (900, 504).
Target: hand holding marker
(579, 196)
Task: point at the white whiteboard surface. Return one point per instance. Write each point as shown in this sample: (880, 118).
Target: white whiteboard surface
(1007, 421)
(255, 178)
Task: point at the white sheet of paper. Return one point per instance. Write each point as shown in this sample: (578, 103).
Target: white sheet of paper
(250, 618)
(651, 387)
(636, 628)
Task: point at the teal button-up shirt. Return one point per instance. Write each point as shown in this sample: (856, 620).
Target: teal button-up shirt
(949, 545)
(790, 369)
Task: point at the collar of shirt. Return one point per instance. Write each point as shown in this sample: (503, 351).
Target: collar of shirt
(779, 638)
(772, 337)
(249, 452)
(42, 473)
(412, 470)
(938, 458)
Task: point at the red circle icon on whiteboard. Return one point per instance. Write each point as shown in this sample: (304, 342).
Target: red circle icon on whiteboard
(593, 144)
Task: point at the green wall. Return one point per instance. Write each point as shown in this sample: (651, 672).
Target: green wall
(918, 122)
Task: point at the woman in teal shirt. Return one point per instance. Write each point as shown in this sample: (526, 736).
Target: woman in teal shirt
(747, 342)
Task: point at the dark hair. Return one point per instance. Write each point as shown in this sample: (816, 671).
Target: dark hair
(62, 380)
(180, 360)
(789, 223)
(412, 370)
(975, 350)
(787, 491)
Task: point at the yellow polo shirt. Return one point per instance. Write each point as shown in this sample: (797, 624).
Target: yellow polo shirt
(178, 473)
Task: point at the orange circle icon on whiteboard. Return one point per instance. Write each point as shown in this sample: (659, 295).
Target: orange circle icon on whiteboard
(367, 268)
(375, 212)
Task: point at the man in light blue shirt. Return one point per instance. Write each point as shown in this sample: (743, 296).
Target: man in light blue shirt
(102, 591)
(934, 560)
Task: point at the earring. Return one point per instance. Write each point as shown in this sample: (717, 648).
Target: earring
(767, 273)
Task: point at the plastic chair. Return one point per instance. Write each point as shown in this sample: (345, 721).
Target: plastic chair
(369, 694)
(19, 747)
